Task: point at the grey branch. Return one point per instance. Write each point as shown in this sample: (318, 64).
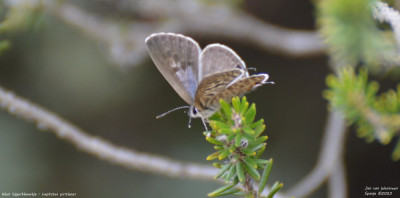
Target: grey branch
(383, 13)
(332, 151)
(337, 185)
(100, 148)
(124, 39)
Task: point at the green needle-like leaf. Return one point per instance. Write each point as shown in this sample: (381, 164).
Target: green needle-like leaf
(248, 130)
(275, 188)
(257, 147)
(260, 162)
(250, 114)
(218, 147)
(250, 161)
(260, 152)
(223, 154)
(231, 173)
(224, 168)
(264, 177)
(218, 192)
(221, 125)
(231, 137)
(259, 130)
(236, 104)
(226, 108)
(248, 152)
(232, 148)
(217, 165)
(251, 171)
(225, 131)
(261, 139)
(214, 141)
(244, 106)
(213, 156)
(238, 140)
(230, 192)
(240, 172)
(257, 124)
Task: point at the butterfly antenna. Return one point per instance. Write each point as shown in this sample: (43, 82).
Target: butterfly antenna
(172, 110)
(190, 122)
(252, 69)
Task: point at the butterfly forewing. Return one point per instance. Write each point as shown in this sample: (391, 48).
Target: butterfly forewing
(177, 58)
(218, 58)
(214, 84)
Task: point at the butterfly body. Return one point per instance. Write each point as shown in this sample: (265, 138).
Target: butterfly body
(201, 77)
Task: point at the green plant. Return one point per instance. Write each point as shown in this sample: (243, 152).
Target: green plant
(376, 117)
(352, 35)
(239, 144)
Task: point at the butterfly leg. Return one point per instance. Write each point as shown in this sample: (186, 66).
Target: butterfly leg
(204, 123)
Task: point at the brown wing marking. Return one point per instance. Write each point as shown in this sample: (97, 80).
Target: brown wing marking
(213, 84)
(239, 88)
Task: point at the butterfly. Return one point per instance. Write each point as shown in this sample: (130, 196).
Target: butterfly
(201, 77)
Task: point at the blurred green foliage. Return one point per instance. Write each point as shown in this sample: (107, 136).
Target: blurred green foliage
(354, 38)
(376, 117)
(351, 33)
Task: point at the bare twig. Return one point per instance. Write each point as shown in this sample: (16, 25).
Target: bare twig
(332, 150)
(384, 13)
(100, 148)
(337, 184)
(124, 39)
(103, 149)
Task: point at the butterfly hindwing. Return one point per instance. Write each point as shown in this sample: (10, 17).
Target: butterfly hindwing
(212, 85)
(177, 58)
(217, 58)
(239, 88)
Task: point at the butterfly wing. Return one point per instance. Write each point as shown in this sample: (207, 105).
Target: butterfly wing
(239, 88)
(218, 58)
(224, 85)
(177, 58)
(211, 85)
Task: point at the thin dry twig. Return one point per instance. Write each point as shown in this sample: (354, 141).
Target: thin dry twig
(382, 12)
(124, 39)
(332, 150)
(100, 148)
(337, 184)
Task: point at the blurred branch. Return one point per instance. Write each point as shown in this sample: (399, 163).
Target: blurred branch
(100, 148)
(125, 39)
(383, 13)
(337, 185)
(332, 151)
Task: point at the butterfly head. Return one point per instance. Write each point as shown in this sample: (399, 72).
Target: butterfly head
(203, 114)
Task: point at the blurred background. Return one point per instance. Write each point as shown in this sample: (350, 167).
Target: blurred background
(66, 70)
